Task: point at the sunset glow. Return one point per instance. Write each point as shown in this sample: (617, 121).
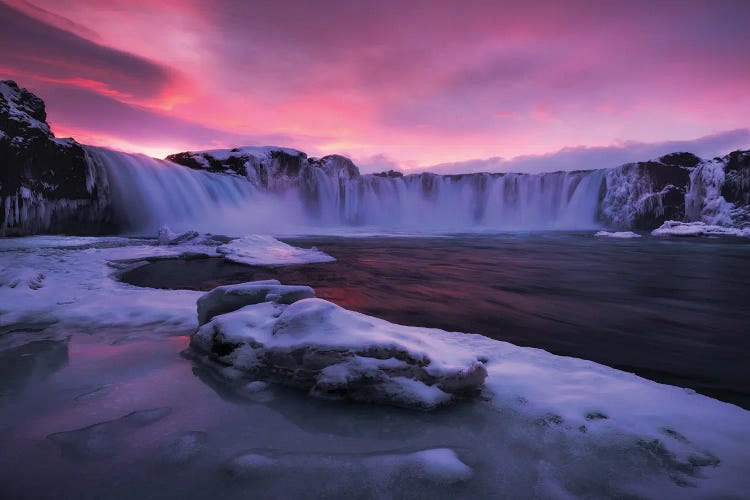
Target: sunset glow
(391, 84)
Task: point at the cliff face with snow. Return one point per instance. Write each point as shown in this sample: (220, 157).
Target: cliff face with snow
(46, 184)
(58, 185)
(643, 195)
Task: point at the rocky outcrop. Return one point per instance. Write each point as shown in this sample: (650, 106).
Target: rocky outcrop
(392, 174)
(268, 166)
(645, 194)
(276, 169)
(270, 332)
(736, 187)
(46, 184)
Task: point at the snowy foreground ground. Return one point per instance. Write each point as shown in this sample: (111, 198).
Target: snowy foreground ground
(542, 425)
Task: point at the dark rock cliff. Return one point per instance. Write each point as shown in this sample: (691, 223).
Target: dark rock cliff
(46, 184)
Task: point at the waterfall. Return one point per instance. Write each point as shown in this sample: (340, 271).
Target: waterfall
(428, 202)
(147, 193)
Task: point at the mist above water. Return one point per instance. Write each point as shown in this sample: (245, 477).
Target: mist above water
(148, 193)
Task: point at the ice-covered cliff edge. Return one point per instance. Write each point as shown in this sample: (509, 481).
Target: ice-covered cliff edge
(46, 184)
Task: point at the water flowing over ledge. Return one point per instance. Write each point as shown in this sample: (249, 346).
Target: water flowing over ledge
(54, 185)
(147, 193)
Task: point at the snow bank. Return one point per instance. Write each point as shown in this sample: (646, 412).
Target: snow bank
(568, 418)
(318, 346)
(440, 466)
(66, 280)
(676, 228)
(259, 250)
(61, 282)
(617, 234)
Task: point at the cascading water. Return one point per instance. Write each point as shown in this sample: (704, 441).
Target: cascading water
(428, 202)
(147, 193)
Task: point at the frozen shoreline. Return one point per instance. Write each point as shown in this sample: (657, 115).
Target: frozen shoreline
(587, 405)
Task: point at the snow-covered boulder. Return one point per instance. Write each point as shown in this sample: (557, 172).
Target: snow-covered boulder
(167, 237)
(331, 352)
(676, 228)
(261, 250)
(617, 234)
(229, 298)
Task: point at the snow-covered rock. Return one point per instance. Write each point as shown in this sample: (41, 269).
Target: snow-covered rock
(677, 228)
(267, 166)
(703, 200)
(261, 250)
(46, 184)
(228, 298)
(642, 195)
(617, 234)
(331, 352)
(167, 237)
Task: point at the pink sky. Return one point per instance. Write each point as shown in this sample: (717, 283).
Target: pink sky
(408, 84)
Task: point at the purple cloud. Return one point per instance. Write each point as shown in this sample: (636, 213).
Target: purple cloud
(588, 158)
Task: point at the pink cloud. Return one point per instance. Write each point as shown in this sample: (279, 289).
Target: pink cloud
(423, 82)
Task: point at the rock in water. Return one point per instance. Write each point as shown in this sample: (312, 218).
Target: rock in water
(333, 353)
(167, 237)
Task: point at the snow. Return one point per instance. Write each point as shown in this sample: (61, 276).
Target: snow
(583, 400)
(628, 194)
(336, 353)
(21, 278)
(703, 200)
(550, 424)
(617, 234)
(167, 237)
(79, 289)
(229, 298)
(12, 97)
(67, 279)
(53, 241)
(252, 151)
(261, 250)
(676, 228)
(440, 466)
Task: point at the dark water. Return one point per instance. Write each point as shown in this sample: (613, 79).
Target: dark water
(674, 311)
